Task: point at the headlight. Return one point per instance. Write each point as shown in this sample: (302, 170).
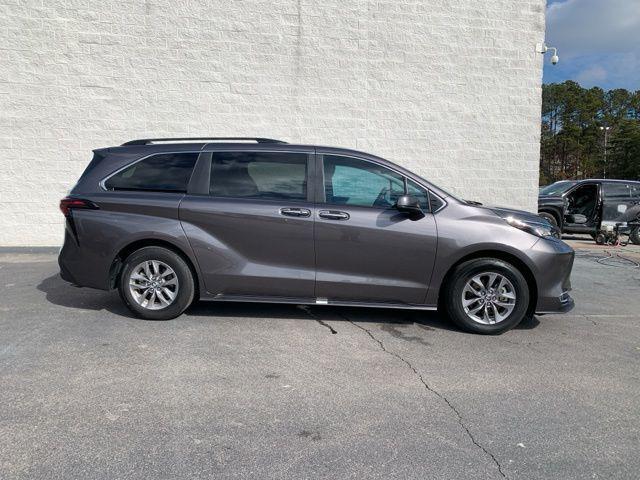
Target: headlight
(544, 230)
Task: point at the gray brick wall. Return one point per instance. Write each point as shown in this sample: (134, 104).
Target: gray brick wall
(448, 88)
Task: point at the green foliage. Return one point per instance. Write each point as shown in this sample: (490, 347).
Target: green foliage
(572, 142)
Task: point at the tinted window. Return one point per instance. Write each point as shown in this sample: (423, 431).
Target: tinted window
(428, 201)
(262, 175)
(164, 172)
(420, 192)
(350, 181)
(635, 191)
(615, 189)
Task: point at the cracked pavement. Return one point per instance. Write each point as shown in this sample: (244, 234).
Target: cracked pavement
(269, 391)
(435, 392)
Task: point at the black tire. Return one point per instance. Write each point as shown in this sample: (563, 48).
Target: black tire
(600, 239)
(466, 271)
(185, 281)
(548, 216)
(634, 236)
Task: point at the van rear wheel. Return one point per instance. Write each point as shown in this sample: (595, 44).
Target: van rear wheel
(487, 296)
(156, 283)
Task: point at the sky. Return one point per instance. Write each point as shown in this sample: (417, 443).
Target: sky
(598, 42)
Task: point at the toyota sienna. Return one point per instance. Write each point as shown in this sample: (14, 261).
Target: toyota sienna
(167, 221)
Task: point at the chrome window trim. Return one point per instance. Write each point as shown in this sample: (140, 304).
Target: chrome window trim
(293, 150)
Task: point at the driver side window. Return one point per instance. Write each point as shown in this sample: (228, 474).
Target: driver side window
(351, 181)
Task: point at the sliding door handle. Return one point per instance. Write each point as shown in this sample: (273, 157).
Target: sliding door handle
(334, 215)
(295, 212)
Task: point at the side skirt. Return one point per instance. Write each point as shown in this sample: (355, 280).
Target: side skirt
(314, 301)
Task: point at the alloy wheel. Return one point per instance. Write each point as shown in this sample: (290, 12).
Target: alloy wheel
(153, 284)
(488, 298)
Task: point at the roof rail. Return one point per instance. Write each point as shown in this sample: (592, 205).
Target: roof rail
(147, 141)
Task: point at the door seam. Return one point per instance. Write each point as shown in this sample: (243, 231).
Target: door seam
(193, 253)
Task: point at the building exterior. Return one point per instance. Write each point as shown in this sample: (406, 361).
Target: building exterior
(450, 89)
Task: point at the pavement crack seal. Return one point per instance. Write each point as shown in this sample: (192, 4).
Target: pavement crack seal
(436, 393)
(307, 310)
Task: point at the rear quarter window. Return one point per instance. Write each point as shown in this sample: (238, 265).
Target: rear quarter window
(168, 172)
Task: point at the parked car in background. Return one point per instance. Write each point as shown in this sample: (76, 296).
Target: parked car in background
(225, 220)
(589, 206)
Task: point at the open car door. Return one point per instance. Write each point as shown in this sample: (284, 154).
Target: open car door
(583, 211)
(619, 204)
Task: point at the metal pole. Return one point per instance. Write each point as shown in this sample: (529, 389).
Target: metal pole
(606, 131)
(606, 139)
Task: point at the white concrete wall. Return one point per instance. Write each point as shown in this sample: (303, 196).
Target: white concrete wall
(449, 88)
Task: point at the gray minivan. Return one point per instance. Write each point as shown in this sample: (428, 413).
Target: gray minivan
(167, 221)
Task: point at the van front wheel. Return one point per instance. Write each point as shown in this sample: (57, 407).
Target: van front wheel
(487, 296)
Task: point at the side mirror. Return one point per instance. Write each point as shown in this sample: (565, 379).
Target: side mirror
(410, 205)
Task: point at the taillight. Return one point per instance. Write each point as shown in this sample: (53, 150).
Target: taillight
(69, 203)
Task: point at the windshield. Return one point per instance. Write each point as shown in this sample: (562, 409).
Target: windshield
(557, 188)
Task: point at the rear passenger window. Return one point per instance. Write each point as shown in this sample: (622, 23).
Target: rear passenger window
(168, 172)
(259, 175)
(616, 190)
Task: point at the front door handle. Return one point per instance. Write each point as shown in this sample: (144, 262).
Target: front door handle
(295, 212)
(333, 215)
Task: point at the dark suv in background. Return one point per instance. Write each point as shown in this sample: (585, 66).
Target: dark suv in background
(258, 220)
(589, 206)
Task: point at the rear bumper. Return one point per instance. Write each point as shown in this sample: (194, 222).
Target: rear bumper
(65, 273)
(554, 261)
(83, 267)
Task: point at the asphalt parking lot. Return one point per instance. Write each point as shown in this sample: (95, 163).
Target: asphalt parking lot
(260, 391)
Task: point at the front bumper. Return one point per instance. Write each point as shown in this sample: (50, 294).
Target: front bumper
(563, 304)
(553, 260)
